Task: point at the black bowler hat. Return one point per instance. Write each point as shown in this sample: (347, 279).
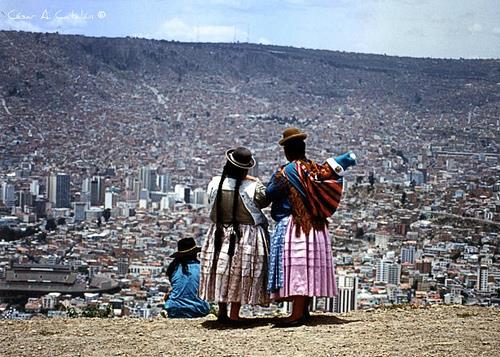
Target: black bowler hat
(186, 246)
(240, 157)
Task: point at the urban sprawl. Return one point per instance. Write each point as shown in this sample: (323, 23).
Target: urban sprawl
(95, 196)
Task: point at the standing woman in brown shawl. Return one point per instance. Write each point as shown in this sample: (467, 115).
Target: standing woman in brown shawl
(304, 194)
(234, 255)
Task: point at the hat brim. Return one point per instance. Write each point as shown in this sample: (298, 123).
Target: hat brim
(181, 254)
(230, 158)
(298, 136)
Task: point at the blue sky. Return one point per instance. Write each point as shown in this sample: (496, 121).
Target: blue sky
(417, 28)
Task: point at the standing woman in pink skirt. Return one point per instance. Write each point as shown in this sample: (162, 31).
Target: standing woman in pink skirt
(303, 194)
(234, 256)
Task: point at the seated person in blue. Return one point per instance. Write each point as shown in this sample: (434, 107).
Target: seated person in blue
(184, 275)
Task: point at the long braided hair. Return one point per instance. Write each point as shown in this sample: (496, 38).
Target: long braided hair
(229, 171)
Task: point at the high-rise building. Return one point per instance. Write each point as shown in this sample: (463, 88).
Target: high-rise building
(388, 272)
(25, 199)
(148, 178)
(346, 299)
(200, 196)
(59, 190)
(179, 191)
(35, 188)
(8, 194)
(97, 191)
(482, 278)
(408, 254)
(129, 183)
(86, 184)
(137, 189)
(41, 206)
(164, 182)
(109, 199)
(123, 264)
(187, 195)
(153, 179)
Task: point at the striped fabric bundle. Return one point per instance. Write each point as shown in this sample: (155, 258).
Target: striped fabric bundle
(319, 186)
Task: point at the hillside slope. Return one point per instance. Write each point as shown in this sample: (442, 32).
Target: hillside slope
(133, 101)
(437, 331)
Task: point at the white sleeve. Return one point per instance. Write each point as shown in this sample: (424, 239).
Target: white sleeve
(212, 187)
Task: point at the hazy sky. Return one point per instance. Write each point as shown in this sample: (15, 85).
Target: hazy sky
(418, 28)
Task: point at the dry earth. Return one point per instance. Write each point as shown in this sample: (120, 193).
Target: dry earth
(437, 331)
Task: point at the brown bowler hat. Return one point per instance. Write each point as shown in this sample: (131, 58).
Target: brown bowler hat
(292, 133)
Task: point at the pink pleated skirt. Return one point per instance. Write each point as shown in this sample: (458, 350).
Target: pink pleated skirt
(307, 265)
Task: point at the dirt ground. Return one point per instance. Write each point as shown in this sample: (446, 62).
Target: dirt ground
(436, 331)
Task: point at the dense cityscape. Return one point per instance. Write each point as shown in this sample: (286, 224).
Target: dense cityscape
(108, 145)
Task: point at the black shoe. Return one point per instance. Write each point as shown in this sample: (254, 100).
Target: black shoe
(307, 315)
(295, 323)
(222, 319)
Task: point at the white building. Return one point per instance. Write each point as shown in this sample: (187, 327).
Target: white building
(179, 192)
(110, 199)
(345, 301)
(200, 197)
(138, 269)
(482, 279)
(388, 272)
(35, 188)
(49, 301)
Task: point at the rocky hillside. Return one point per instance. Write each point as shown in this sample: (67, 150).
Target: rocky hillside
(37, 66)
(437, 331)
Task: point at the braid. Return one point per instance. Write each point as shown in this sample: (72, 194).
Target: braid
(184, 262)
(238, 174)
(185, 267)
(219, 219)
(235, 223)
(234, 237)
(171, 268)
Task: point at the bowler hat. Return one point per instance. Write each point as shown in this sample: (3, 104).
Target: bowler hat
(292, 134)
(240, 157)
(186, 246)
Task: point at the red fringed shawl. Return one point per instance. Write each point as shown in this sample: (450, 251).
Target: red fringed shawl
(314, 193)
